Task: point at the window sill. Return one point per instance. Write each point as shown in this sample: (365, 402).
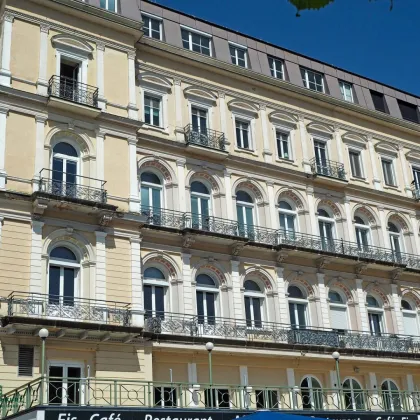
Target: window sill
(286, 161)
(246, 151)
(155, 128)
(357, 179)
(392, 188)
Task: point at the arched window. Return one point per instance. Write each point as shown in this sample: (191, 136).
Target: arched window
(287, 217)
(155, 287)
(338, 311)
(326, 229)
(200, 206)
(375, 314)
(395, 240)
(353, 395)
(63, 284)
(391, 396)
(411, 326)
(245, 214)
(151, 194)
(65, 169)
(362, 233)
(297, 308)
(311, 392)
(206, 294)
(254, 303)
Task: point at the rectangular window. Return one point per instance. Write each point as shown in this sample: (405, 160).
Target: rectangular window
(152, 27)
(356, 163)
(152, 110)
(312, 80)
(416, 178)
(346, 90)
(388, 170)
(276, 67)
(26, 360)
(379, 101)
(165, 396)
(216, 398)
(283, 147)
(267, 398)
(238, 56)
(242, 134)
(409, 111)
(196, 42)
(110, 5)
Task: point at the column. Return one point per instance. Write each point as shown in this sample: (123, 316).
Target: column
(6, 47)
(100, 155)
(182, 205)
(42, 82)
(133, 111)
(412, 400)
(179, 128)
(404, 166)
(304, 142)
(39, 150)
(137, 300)
(3, 119)
(229, 201)
(415, 228)
(100, 75)
(384, 228)
(349, 222)
(222, 111)
(272, 206)
(36, 281)
(293, 389)
(100, 283)
(362, 306)
(399, 324)
(338, 144)
(373, 392)
(335, 387)
(325, 313)
(236, 287)
(268, 154)
(281, 287)
(311, 209)
(186, 277)
(134, 199)
(372, 155)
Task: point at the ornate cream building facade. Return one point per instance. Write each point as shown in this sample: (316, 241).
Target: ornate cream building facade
(165, 182)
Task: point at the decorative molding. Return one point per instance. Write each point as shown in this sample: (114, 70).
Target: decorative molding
(188, 240)
(236, 248)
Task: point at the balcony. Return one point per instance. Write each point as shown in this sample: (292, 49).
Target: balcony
(277, 239)
(328, 169)
(270, 332)
(415, 189)
(205, 142)
(57, 392)
(49, 307)
(55, 184)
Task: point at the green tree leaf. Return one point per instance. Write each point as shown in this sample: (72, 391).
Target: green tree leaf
(309, 4)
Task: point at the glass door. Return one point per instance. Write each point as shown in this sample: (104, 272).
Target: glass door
(326, 233)
(64, 176)
(65, 384)
(297, 312)
(245, 220)
(154, 301)
(321, 157)
(206, 307)
(375, 323)
(253, 312)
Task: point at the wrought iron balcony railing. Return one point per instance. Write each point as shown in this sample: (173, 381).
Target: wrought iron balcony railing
(38, 305)
(328, 168)
(71, 90)
(416, 191)
(211, 139)
(247, 330)
(62, 184)
(93, 392)
(279, 238)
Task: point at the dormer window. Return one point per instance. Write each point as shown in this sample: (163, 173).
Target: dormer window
(110, 5)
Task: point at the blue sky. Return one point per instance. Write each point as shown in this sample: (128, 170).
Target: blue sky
(357, 35)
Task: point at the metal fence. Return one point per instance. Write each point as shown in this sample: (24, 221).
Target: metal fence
(205, 138)
(328, 168)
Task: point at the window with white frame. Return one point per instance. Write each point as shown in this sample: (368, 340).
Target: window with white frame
(395, 239)
(362, 232)
(388, 171)
(326, 224)
(312, 80)
(238, 55)
(65, 170)
(416, 177)
(243, 135)
(200, 206)
(196, 42)
(206, 294)
(245, 209)
(254, 301)
(283, 145)
(312, 394)
(338, 311)
(355, 157)
(152, 27)
(354, 396)
(298, 304)
(287, 216)
(276, 67)
(391, 396)
(64, 387)
(346, 90)
(165, 396)
(151, 192)
(153, 110)
(155, 286)
(199, 120)
(110, 5)
(410, 321)
(375, 315)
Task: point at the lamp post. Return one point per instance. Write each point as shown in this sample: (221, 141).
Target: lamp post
(43, 334)
(209, 348)
(336, 357)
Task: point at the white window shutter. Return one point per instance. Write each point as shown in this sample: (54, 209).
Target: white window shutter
(338, 318)
(410, 324)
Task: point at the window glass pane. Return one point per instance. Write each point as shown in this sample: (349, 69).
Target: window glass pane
(372, 302)
(150, 178)
(153, 273)
(185, 39)
(69, 286)
(200, 307)
(57, 169)
(63, 253)
(409, 111)
(156, 198)
(378, 101)
(292, 314)
(285, 205)
(194, 205)
(301, 310)
(148, 299)
(335, 297)
(256, 305)
(145, 201)
(205, 280)
(295, 292)
(240, 215)
(159, 300)
(243, 196)
(406, 305)
(211, 313)
(248, 310)
(199, 187)
(111, 5)
(249, 216)
(65, 149)
(252, 286)
(54, 284)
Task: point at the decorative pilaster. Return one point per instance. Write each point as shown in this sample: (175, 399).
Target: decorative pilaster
(179, 128)
(349, 222)
(415, 229)
(236, 287)
(404, 165)
(4, 112)
(42, 82)
(100, 74)
(273, 222)
(133, 111)
(100, 155)
(35, 282)
(281, 287)
(137, 300)
(325, 313)
(338, 143)
(384, 228)
(304, 145)
(100, 283)
(228, 189)
(39, 150)
(362, 306)
(311, 208)
(268, 154)
(397, 310)
(374, 392)
(372, 155)
(222, 111)
(134, 200)
(186, 277)
(6, 48)
(180, 163)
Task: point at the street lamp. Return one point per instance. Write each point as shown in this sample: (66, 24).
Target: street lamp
(336, 357)
(43, 334)
(209, 348)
